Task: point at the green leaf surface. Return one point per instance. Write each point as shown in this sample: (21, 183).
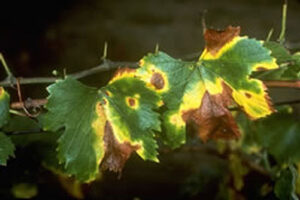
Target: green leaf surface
(24, 190)
(279, 134)
(7, 148)
(279, 52)
(289, 65)
(201, 91)
(21, 124)
(285, 184)
(72, 106)
(4, 106)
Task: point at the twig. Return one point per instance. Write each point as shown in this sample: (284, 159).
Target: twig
(281, 38)
(105, 66)
(104, 55)
(7, 70)
(22, 104)
(15, 112)
(37, 103)
(269, 35)
(203, 21)
(29, 103)
(109, 65)
(287, 102)
(289, 84)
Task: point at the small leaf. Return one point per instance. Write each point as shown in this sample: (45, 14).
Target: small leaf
(285, 185)
(279, 52)
(7, 148)
(279, 134)
(289, 64)
(202, 91)
(24, 190)
(238, 171)
(4, 106)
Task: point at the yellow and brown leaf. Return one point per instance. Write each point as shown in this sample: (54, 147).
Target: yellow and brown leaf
(202, 91)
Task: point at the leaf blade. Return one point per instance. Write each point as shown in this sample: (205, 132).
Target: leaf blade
(81, 146)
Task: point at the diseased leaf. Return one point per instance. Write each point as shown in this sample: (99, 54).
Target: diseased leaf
(7, 148)
(202, 91)
(285, 185)
(102, 125)
(128, 106)
(4, 106)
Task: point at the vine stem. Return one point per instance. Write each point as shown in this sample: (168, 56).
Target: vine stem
(109, 65)
(281, 38)
(7, 70)
(289, 84)
(105, 66)
(37, 103)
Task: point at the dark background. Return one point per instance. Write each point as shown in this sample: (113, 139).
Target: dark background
(37, 37)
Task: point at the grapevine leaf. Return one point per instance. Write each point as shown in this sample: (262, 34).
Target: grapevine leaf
(24, 190)
(238, 171)
(285, 185)
(202, 91)
(7, 148)
(102, 125)
(4, 106)
(21, 124)
(279, 134)
(289, 64)
(73, 106)
(128, 106)
(279, 52)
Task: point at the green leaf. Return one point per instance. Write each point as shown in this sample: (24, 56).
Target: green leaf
(7, 148)
(4, 106)
(289, 64)
(293, 71)
(202, 91)
(279, 134)
(238, 171)
(21, 124)
(72, 106)
(24, 190)
(279, 52)
(285, 185)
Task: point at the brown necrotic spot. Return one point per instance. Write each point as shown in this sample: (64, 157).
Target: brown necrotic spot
(131, 102)
(107, 93)
(104, 102)
(157, 81)
(261, 68)
(116, 153)
(248, 95)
